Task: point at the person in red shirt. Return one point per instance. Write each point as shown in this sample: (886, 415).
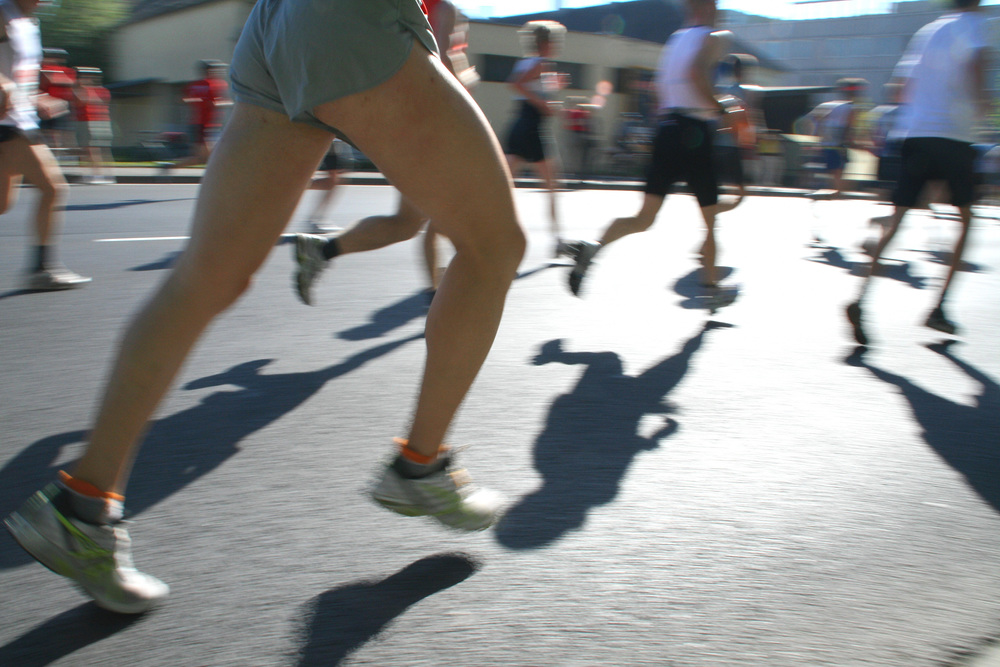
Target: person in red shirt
(91, 104)
(56, 80)
(206, 97)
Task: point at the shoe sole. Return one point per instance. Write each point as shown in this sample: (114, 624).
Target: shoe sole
(943, 327)
(467, 522)
(35, 544)
(301, 286)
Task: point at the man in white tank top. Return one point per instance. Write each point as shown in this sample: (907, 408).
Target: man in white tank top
(682, 150)
(944, 92)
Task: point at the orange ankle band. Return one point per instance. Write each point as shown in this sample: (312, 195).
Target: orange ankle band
(86, 488)
(414, 456)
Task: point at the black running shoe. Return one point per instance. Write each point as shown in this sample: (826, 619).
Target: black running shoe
(937, 321)
(584, 256)
(854, 317)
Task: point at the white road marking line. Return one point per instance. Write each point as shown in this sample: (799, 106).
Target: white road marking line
(144, 238)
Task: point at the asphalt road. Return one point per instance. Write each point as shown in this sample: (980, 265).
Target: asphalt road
(685, 489)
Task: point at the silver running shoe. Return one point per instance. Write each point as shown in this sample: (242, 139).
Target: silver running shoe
(97, 558)
(310, 263)
(55, 278)
(448, 495)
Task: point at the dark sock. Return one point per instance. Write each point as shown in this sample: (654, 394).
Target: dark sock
(331, 249)
(41, 257)
(412, 470)
(94, 510)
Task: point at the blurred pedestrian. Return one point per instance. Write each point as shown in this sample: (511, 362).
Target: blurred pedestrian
(943, 73)
(683, 147)
(390, 96)
(835, 124)
(91, 103)
(535, 82)
(23, 155)
(56, 80)
(736, 141)
(313, 252)
(333, 166)
(207, 97)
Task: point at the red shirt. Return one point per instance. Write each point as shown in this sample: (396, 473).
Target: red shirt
(204, 97)
(57, 81)
(92, 104)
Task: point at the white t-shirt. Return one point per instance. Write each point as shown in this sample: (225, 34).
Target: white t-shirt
(674, 87)
(833, 119)
(20, 61)
(939, 95)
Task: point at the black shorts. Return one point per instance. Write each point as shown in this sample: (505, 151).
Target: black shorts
(525, 137)
(8, 132)
(682, 151)
(890, 162)
(933, 159)
(729, 165)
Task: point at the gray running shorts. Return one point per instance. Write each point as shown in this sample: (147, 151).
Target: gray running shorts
(294, 55)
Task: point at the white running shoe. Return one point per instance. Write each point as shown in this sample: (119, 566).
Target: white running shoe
(98, 558)
(448, 495)
(310, 263)
(55, 278)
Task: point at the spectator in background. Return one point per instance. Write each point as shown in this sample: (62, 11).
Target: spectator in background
(207, 98)
(580, 129)
(23, 155)
(535, 83)
(736, 141)
(91, 104)
(56, 80)
(834, 123)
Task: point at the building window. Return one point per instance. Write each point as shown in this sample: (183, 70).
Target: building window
(496, 69)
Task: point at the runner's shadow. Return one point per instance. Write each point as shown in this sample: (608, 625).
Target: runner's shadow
(342, 620)
(402, 312)
(165, 262)
(591, 438)
(696, 296)
(965, 437)
(185, 446)
(107, 206)
(64, 635)
(898, 271)
(943, 257)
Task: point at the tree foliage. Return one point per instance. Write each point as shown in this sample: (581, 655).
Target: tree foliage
(83, 28)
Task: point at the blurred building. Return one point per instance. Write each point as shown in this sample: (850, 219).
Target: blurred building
(158, 48)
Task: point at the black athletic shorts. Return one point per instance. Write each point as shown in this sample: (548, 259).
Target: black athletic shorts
(729, 165)
(8, 132)
(682, 151)
(525, 137)
(936, 159)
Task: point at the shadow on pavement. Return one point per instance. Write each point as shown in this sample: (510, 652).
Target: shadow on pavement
(591, 438)
(965, 437)
(165, 262)
(398, 314)
(63, 635)
(696, 296)
(342, 620)
(106, 206)
(899, 271)
(183, 447)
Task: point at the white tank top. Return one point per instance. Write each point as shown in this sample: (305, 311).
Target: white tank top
(673, 81)
(20, 59)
